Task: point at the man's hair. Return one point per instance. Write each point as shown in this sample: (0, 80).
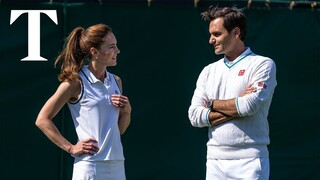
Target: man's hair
(232, 17)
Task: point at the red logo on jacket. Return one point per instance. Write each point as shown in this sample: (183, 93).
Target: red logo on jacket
(262, 84)
(241, 72)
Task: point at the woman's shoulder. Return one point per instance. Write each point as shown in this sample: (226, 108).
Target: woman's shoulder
(72, 83)
(118, 80)
(116, 77)
(71, 86)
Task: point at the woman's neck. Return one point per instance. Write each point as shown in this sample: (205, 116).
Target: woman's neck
(99, 73)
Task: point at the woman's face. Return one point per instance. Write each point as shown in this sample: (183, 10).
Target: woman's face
(108, 51)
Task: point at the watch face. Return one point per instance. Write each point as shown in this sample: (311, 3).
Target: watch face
(210, 104)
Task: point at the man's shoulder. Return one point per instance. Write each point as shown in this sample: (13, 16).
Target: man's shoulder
(217, 62)
(260, 58)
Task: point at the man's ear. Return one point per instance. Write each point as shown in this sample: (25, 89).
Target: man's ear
(236, 32)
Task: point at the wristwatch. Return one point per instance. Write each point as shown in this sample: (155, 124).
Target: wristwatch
(210, 104)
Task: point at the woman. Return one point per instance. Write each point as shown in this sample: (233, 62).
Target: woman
(100, 112)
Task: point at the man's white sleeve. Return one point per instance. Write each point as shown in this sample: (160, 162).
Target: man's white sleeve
(265, 81)
(198, 111)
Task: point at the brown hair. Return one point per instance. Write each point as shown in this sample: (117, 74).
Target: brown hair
(77, 48)
(232, 17)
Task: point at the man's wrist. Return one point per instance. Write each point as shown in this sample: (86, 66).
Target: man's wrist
(210, 105)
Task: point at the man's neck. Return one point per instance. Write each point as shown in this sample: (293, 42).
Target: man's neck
(232, 55)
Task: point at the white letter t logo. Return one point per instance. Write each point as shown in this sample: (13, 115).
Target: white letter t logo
(33, 30)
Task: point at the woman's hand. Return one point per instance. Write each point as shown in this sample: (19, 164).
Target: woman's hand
(87, 146)
(121, 101)
(125, 111)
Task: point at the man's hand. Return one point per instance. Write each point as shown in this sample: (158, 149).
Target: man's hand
(250, 89)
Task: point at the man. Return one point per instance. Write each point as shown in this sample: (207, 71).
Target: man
(232, 98)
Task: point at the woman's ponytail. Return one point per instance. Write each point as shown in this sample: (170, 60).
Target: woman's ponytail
(71, 57)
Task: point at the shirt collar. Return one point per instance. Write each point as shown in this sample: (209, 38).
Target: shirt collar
(240, 57)
(89, 75)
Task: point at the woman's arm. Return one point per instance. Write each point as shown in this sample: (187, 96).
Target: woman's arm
(123, 103)
(65, 92)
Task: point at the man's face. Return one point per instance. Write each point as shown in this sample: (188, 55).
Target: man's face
(220, 38)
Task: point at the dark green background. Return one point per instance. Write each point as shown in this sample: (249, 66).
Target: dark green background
(163, 49)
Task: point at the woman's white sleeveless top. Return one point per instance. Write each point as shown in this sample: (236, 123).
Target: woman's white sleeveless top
(95, 116)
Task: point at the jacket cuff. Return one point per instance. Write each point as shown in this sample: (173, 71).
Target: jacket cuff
(205, 116)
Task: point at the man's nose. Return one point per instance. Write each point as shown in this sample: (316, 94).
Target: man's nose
(211, 40)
